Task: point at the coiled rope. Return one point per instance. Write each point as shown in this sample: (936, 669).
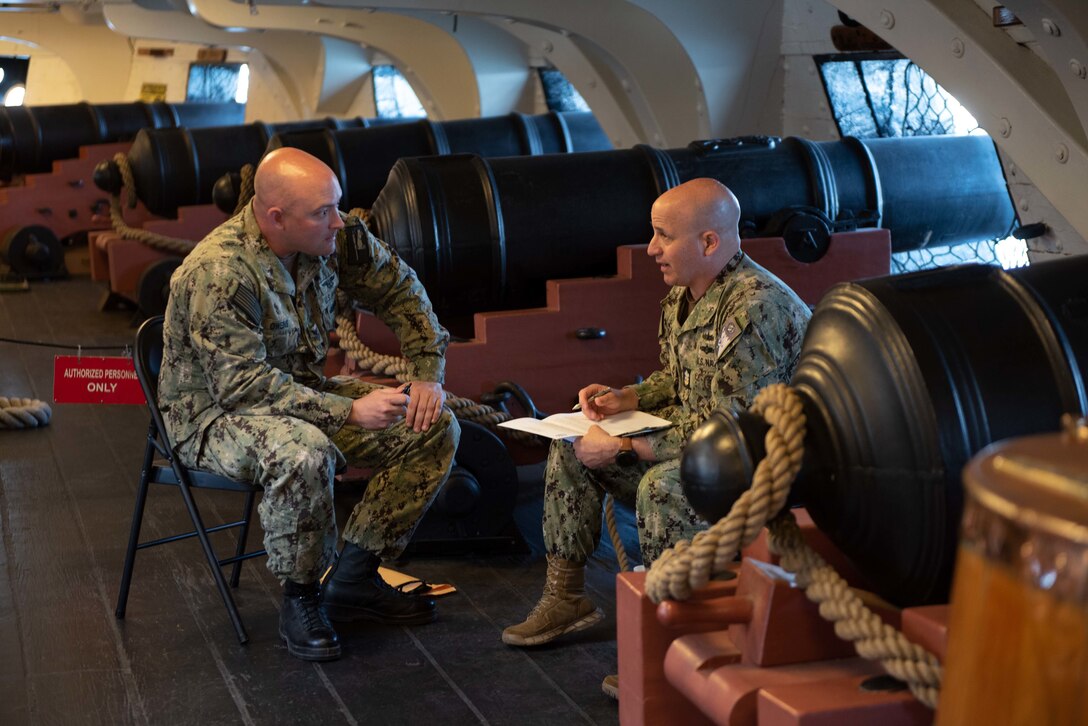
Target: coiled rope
(614, 534)
(687, 566)
(23, 413)
(173, 245)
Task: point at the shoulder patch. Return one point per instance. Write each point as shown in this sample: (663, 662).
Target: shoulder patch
(356, 248)
(732, 329)
(245, 302)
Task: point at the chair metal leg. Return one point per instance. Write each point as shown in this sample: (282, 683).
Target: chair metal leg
(243, 534)
(213, 560)
(134, 533)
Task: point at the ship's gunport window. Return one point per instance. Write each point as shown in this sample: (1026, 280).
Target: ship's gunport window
(218, 83)
(393, 95)
(559, 94)
(883, 94)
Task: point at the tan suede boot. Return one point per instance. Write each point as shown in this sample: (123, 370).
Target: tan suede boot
(563, 607)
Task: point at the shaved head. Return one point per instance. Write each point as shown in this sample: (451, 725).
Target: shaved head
(295, 196)
(695, 233)
(284, 173)
(708, 205)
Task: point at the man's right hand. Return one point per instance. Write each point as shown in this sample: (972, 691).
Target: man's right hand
(379, 409)
(616, 400)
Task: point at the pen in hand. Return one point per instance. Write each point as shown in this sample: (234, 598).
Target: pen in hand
(598, 394)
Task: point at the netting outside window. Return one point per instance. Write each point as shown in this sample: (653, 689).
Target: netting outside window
(885, 95)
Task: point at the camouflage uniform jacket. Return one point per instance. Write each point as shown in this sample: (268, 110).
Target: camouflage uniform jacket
(743, 334)
(242, 337)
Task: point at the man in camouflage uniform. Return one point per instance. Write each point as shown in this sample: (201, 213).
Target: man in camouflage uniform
(728, 328)
(243, 393)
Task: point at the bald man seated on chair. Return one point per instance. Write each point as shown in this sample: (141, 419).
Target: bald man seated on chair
(244, 394)
(728, 328)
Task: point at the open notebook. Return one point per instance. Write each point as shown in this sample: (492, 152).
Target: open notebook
(573, 425)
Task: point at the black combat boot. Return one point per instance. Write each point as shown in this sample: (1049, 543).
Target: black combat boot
(355, 591)
(303, 625)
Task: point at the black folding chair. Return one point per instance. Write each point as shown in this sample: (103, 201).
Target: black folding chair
(161, 466)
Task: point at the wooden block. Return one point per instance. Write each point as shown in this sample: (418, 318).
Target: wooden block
(699, 666)
(127, 261)
(786, 626)
(838, 701)
(96, 253)
(645, 696)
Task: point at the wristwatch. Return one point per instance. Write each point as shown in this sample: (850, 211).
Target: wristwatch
(627, 456)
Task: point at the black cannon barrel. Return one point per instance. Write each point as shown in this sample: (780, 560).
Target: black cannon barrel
(485, 234)
(362, 158)
(903, 380)
(32, 138)
(174, 167)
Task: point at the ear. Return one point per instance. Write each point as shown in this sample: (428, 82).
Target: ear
(275, 215)
(711, 242)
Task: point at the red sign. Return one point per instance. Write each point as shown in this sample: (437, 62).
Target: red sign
(90, 379)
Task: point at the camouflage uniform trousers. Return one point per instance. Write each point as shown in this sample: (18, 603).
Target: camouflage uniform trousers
(294, 462)
(574, 497)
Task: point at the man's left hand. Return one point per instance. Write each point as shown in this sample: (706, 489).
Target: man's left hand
(424, 405)
(597, 448)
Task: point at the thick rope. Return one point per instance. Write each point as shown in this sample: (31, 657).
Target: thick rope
(400, 368)
(23, 413)
(687, 566)
(245, 188)
(614, 534)
(854, 622)
(173, 245)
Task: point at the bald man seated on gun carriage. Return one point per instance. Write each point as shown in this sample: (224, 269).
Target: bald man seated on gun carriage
(728, 328)
(243, 393)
